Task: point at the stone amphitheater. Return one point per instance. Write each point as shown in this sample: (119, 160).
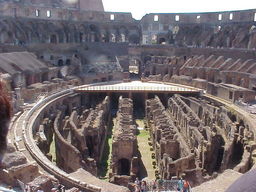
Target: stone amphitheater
(100, 99)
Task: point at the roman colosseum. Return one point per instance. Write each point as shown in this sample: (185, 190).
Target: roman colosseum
(101, 100)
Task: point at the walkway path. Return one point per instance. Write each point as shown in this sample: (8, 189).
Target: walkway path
(144, 149)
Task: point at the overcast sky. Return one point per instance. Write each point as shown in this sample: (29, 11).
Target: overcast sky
(139, 8)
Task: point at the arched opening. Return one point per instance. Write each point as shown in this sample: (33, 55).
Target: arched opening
(237, 155)
(162, 40)
(68, 62)
(94, 33)
(81, 37)
(53, 39)
(60, 63)
(113, 37)
(123, 167)
(123, 37)
(134, 39)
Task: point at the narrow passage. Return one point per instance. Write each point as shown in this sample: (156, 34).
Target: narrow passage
(144, 148)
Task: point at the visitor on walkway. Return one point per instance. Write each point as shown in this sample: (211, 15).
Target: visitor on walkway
(137, 188)
(180, 185)
(143, 186)
(186, 186)
(137, 185)
(154, 186)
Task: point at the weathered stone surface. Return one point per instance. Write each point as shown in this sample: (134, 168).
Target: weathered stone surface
(221, 183)
(125, 149)
(14, 159)
(43, 182)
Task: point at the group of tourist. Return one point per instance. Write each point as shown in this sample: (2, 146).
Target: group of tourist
(184, 186)
(162, 186)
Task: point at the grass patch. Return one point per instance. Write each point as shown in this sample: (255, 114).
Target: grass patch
(143, 133)
(107, 153)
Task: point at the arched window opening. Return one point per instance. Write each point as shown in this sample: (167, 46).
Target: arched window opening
(60, 63)
(124, 167)
(53, 39)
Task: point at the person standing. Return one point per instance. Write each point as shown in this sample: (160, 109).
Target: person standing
(186, 186)
(143, 186)
(180, 185)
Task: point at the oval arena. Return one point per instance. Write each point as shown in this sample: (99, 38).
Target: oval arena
(100, 99)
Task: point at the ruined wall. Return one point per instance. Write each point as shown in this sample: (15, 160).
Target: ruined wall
(95, 128)
(124, 153)
(192, 135)
(22, 32)
(81, 136)
(68, 157)
(228, 78)
(216, 29)
(220, 134)
(173, 155)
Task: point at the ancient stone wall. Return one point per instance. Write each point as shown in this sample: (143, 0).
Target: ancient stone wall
(230, 79)
(82, 137)
(193, 135)
(68, 157)
(124, 153)
(33, 31)
(172, 153)
(220, 135)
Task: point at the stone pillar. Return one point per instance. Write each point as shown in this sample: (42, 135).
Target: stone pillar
(130, 95)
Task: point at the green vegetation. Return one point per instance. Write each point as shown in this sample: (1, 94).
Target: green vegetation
(106, 158)
(143, 133)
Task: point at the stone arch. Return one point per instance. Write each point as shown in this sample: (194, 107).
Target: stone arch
(124, 167)
(61, 35)
(113, 37)
(94, 33)
(21, 32)
(134, 35)
(60, 63)
(104, 35)
(123, 34)
(73, 35)
(53, 39)
(162, 40)
(82, 31)
(134, 39)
